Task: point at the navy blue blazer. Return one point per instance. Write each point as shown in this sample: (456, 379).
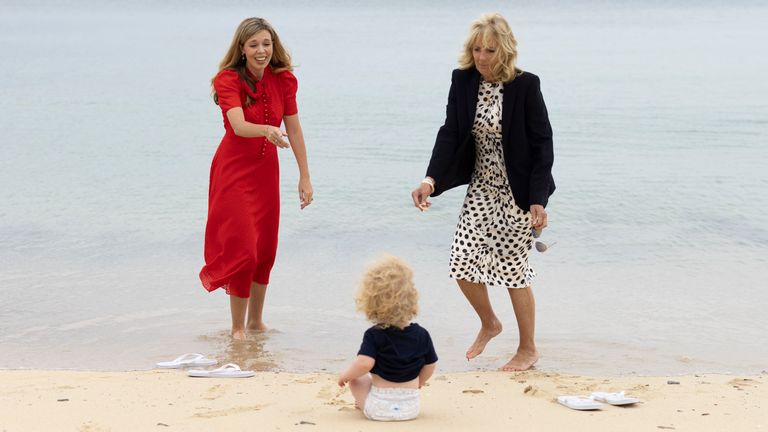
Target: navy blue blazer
(526, 138)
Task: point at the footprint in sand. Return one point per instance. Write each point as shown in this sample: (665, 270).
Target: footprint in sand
(326, 392)
(230, 411)
(214, 392)
(331, 394)
(305, 381)
(530, 389)
(89, 427)
(743, 383)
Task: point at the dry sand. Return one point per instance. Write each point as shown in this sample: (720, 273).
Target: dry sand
(272, 401)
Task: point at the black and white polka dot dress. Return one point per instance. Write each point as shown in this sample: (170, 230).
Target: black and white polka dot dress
(493, 235)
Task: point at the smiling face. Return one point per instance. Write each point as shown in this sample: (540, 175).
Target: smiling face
(484, 55)
(258, 52)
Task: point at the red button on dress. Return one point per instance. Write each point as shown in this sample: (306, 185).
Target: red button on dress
(244, 193)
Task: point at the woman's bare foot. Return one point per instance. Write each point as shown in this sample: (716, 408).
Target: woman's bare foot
(522, 361)
(238, 334)
(483, 336)
(258, 327)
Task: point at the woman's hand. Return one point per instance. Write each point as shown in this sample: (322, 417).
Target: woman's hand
(420, 195)
(275, 136)
(305, 192)
(538, 217)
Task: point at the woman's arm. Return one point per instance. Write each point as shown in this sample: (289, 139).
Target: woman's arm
(445, 144)
(360, 366)
(426, 373)
(296, 138)
(447, 137)
(539, 134)
(247, 129)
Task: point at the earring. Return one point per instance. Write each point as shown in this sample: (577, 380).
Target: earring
(242, 57)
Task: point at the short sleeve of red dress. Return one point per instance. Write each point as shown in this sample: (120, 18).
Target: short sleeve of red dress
(289, 86)
(227, 88)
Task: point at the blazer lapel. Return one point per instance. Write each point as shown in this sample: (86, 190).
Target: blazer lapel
(507, 104)
(472, 89)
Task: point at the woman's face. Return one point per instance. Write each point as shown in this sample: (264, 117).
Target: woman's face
(485, 57)
(258, 52)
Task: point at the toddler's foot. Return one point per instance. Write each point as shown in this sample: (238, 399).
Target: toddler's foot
(522, 361)
(483, 337)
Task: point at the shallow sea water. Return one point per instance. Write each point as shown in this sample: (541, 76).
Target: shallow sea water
(660, 116)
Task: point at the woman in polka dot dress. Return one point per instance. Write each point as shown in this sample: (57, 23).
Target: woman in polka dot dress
(497, 138)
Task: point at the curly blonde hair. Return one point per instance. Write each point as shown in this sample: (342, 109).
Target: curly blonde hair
(493, 29)
(387, 295)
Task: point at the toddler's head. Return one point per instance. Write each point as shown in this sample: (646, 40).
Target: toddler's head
(387, 295)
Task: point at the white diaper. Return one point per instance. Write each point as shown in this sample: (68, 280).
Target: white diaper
(392, 404)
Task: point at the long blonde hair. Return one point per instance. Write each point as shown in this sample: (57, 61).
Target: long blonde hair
(233, 59)
(493, 27)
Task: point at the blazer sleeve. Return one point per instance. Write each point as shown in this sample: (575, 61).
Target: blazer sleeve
(539, 133)
(447, 139)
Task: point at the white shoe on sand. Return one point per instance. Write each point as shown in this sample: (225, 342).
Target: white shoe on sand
(229, 370)
(580, 403)
(185, 360)
(614, 398)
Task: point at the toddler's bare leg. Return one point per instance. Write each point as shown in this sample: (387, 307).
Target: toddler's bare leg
(360, 387)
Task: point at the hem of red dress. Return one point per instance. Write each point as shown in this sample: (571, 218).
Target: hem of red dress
(210, 286)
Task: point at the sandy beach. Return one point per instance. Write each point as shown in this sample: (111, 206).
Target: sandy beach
(275, 401)
(658, 225)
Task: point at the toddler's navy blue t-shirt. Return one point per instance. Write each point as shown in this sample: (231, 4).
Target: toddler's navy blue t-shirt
(399, 354)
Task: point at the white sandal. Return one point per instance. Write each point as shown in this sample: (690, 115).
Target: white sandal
(229, 370)
(189, 359)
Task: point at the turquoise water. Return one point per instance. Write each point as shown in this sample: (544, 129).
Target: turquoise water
(660, 116)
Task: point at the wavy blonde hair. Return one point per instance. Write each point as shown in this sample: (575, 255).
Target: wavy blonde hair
(233, 59)
(387, 295)
(493, 29)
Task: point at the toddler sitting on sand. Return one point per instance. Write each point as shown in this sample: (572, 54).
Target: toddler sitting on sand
(398, 353)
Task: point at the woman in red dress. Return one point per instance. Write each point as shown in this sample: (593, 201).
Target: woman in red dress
(256, 92)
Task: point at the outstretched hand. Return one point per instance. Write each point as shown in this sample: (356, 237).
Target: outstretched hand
(275, 136)
(419, 196)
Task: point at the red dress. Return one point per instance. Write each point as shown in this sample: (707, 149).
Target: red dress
(244, 194)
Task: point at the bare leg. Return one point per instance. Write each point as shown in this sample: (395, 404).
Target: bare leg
(256, 307)
(238, 306)
(360, 387)
(477, 294)
(525, 313)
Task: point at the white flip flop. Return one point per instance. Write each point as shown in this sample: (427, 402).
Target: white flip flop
(614, 398)
(229, 370)
(580, 403)
(189, 359)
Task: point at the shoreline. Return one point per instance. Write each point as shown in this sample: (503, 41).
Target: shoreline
(44, 400)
